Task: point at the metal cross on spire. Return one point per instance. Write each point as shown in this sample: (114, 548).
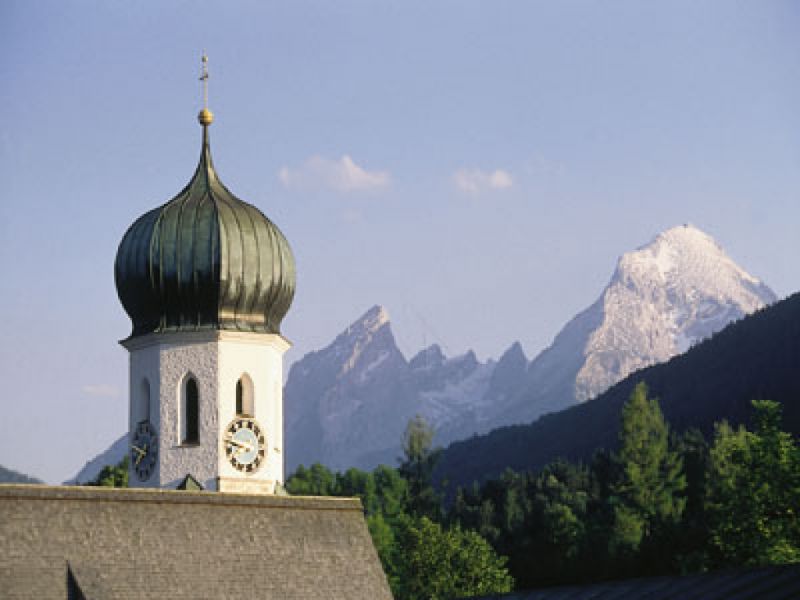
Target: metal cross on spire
(205, 117)
(204, 79)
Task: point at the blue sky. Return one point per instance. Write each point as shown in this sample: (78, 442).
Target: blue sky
(476, 167)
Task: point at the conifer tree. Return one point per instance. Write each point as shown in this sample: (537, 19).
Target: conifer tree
(417, 465)
(648, 494)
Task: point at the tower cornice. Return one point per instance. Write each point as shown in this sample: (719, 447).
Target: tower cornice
(201, 337)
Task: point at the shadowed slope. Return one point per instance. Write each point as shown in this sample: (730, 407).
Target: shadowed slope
(757, 357)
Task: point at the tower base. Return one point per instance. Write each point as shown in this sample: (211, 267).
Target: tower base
(245, 486)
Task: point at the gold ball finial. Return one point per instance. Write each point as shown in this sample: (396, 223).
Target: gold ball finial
(206, 117)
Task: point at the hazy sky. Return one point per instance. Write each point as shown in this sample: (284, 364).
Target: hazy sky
(475, 167)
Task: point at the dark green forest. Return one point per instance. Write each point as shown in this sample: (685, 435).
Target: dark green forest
(660, 504)
(756, 357)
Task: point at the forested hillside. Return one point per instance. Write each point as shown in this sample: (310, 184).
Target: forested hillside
(663, 504)
(756, 357)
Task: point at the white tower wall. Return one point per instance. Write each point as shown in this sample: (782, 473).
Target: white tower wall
(216, 360)
(260, 357)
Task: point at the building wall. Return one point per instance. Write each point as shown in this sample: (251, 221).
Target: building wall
(261, 358)
(169, 361)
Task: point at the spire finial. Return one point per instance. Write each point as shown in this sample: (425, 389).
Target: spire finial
(206, 117)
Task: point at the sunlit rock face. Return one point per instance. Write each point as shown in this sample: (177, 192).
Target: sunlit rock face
(664, 297)
(348, 403)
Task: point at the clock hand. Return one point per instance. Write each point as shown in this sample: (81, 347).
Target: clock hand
(142, 455)
(242, 445)
(243, 448)
(139, 450)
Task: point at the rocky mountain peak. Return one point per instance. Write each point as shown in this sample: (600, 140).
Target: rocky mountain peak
(688, 258)
(370, 331)
(363, 329)
(514, 354)
(428, 358)
(372, 320)
(664, 297)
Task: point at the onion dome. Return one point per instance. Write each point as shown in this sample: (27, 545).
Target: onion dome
(205, 260)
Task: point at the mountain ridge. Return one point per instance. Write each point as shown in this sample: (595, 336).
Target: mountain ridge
(11, 476)
(757, 357)
(662, 298)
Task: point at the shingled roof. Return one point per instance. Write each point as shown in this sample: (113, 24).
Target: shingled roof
(73, 542)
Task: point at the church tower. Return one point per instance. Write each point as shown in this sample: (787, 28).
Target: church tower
(206, 280)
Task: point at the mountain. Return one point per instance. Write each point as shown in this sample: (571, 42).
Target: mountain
(331, 395)
(663, 298)
(11, 476)
(755, 358)
(347, 404)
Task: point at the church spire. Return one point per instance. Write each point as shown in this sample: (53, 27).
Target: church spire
(206, 279)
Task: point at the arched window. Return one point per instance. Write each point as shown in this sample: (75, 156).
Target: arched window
(191, 413)
(245, 404)
(141, 405)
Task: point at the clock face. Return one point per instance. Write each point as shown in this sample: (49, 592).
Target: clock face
(144, 450)
(245, 445)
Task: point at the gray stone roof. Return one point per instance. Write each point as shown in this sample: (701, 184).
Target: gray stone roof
(141, 543)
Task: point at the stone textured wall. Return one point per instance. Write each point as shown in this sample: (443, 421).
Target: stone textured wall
(167, 364)
(179, 361)
(136, 543)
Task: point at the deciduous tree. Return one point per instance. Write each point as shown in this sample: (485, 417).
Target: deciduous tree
(434, 563)
(753, 490)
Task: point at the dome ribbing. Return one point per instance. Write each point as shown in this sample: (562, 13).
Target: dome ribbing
(205, 260)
